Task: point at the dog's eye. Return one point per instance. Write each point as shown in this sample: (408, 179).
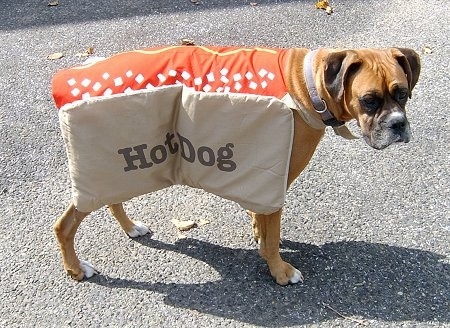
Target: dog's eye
(371, 103)
(401, 96)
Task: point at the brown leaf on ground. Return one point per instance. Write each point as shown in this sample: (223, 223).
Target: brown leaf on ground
(187, 42)
(53, 3)
(56, 55)
(203, 222)
(89, 51)
(183, 225)
(427, 50)
(324, 5)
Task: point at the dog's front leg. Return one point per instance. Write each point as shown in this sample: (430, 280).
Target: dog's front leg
(268, 227)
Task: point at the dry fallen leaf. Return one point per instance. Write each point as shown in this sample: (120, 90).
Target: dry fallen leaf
(56, 55)
(187, 42)
(181, 236)
(203, 222)
(325, 5)
(89, 51)
(52, 3)
(183, 225)
(322, 4)
(427, 50)
(196, 2)
(253, 4)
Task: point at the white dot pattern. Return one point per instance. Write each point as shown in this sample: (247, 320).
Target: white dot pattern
(237, 77)
(185, 75)
(71, 82)
(118, 81)
(198, 81)
(210, 77)
(221, 79)
(139, 78)
(75, 92)
(262, 72)
(161, 77)
(96, 86)
(85, 83)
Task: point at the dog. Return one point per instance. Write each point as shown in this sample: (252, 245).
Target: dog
(328, 87)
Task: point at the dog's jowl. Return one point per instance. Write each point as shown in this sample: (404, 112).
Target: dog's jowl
(228, 106)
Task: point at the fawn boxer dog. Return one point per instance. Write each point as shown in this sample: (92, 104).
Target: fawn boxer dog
(326, 87)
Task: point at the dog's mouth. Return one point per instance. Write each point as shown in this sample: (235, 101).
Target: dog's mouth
(382, 144)
(384, 137)
(386, 130)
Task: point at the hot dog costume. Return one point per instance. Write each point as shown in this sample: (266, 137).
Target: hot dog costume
(213, 69)
(211, 118)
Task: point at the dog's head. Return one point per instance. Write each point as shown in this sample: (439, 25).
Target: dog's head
(372, 86)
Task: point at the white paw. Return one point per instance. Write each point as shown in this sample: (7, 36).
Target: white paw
(297, 277)
(87, 268)
(139, 229)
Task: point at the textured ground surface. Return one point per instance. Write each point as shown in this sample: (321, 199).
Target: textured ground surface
(369, 230)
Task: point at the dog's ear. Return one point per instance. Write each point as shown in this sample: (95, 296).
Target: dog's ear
(338, 67)
(409, 60)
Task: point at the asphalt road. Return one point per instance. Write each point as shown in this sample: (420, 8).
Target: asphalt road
(368, 229)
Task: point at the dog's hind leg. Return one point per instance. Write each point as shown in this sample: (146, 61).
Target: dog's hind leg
(131, 228)
(65, 229)
(255, 227)
(268, 228)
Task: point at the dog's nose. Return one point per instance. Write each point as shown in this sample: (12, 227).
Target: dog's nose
(398, 124)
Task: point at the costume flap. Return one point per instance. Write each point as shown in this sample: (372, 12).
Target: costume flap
(236, 146)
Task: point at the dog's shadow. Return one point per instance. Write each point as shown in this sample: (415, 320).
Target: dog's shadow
(370, 281)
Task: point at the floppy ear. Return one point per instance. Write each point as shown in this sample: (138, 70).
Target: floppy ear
(409, 60)
(338, 67)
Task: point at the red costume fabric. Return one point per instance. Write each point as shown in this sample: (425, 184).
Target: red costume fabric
(208, 69)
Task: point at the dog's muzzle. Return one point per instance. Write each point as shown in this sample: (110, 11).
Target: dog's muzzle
(392, 128)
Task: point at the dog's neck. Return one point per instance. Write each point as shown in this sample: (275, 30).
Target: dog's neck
(320, 106)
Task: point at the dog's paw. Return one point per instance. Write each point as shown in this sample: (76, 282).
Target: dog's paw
(296, 277)
(138, 230)
(88, 269)
(285, 274)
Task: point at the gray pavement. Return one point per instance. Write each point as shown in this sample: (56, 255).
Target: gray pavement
(368, 229)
